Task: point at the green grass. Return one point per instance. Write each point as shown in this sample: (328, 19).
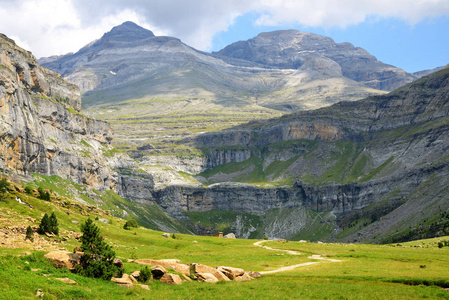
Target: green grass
(403, 271)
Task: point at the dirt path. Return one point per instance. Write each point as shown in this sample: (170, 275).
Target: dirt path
(287, 268)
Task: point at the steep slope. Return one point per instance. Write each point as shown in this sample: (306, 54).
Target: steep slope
(155, 91)
(373, 170)
(42, 130)
(290, 49)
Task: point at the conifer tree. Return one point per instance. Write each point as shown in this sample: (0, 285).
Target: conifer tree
(98, 258)
(29, 234)
(4, 186)
(44, 226)
(53, 224)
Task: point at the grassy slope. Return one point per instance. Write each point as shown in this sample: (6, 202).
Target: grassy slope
(399, 271)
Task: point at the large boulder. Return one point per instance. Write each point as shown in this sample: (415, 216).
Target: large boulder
(174, 264)
(171, 279)
(199, 268)
(231, 272)
(158, 272)
(244, 277)
(206, 277)
(125, 281)
(64, 259)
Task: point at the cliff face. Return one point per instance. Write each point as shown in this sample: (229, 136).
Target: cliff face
(42, 130)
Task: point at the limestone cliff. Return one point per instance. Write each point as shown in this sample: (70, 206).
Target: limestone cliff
(42, 130)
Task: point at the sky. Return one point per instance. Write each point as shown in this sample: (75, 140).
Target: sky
(409, 34)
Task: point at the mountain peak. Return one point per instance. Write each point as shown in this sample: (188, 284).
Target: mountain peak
(128, 31)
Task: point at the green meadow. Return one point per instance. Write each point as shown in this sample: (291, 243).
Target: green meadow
(412, 270)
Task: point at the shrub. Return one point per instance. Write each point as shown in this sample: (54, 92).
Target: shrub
(44, 226)
(4, 187)
(43, 195)
(98, 258)
(29, 190)
(145, 274)
(130, 224)
(29, 234)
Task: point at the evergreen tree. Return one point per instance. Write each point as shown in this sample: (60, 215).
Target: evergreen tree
(44, 226)
(98, 258)
(4, 186)
(53, 224)
(29, 234)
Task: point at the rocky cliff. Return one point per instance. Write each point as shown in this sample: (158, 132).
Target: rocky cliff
(43, 131)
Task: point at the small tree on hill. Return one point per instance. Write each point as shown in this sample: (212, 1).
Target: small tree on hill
(29, 234)
(53, 224)
(98, 258)
(44, 226)
(4, 186)
(43, 195)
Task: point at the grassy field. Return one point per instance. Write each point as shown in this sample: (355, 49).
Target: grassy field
(413, 270)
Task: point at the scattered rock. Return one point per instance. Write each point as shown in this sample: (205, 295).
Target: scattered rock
(171, 279)
(64, 259)
(254, 274)
(174, 264)
(158, 272)
(198, 268)
(118, 263)
(244, 277)
(124, 281)
(144, 286)
(66, 280)
(26, 253)
(195, 242)
(231, 272)
(39, 293)
(206, 277)
(75, 222)
(229, 236)
(135, 274)
(166, 235)
(103, 221)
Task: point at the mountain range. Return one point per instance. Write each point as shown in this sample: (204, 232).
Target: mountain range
(372, 170)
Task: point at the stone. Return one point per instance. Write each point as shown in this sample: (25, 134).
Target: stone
(231, 272)
(171, 279)
(67, 280)
(229, 236)
(26, 253)
(167, 235)
(118, 263)
(174, 264)
(253, 274)
(103, 221)
(206, 277)
(144, 286)
(158, 272)
(199, 268)
(244, 277)
(135, 274)
(124, 281)
(40, 293)
(64, 259)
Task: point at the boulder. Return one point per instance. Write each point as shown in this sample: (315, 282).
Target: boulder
(253, 274)
(244, 277)
(166, 235)
(231, 272)
(158, 272)
(199, 268)
(174, 264)
(229, 236)
(124, 281)
(118, 263)
(206, 277)
(66, 280)
(135, 274)
(64, 259)
(171, 279)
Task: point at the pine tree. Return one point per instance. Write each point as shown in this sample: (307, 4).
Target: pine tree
(98, 258)
(29, 234)
(53, 224)
(44, 226)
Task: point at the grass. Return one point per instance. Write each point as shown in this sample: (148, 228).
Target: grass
(413, 270)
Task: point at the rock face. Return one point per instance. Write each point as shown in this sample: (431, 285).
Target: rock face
(43, 131)
(292, 49)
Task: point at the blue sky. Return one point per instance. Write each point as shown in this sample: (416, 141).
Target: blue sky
(410, 34)
(417, 47)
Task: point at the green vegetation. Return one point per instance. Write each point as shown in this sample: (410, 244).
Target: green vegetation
(4, 187)
(49, 225)
(44, 195)
(98, 257)
(130, 224)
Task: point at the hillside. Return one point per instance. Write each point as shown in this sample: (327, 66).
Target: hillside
(155, 91)
(373, 170)
(290, 270)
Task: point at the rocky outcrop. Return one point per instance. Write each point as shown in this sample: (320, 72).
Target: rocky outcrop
(43, 131)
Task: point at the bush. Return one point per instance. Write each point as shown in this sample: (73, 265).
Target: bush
(145, 274)
(29, 190)
(130, 224)
(43, 195)
(29, 234)
(98, 258)
(49, 224)
(4, 187)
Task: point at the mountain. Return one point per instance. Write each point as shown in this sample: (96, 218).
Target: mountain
(290, 49)
(374, 170)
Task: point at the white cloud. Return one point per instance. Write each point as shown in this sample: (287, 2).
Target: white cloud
(49, 27)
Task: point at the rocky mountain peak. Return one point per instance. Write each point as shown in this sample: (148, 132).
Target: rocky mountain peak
(128, 31)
